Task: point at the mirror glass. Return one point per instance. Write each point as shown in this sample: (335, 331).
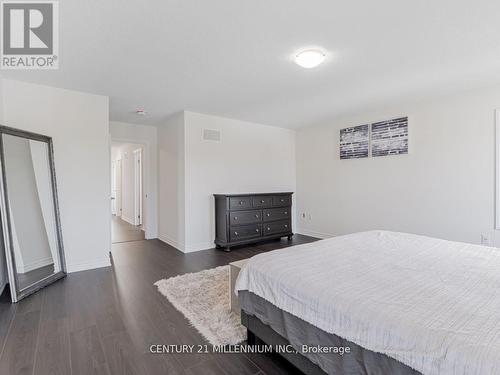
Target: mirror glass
(30, 199)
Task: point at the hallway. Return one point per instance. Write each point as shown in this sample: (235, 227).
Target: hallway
(121, 231)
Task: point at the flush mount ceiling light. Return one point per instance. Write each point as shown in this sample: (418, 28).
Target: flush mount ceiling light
(310, 58)
(140, 112)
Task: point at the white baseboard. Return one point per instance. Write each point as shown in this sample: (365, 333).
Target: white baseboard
(312, 233)
(24, 268)
(88, 265)
(183, 248)
(170, 241)
(199, 247)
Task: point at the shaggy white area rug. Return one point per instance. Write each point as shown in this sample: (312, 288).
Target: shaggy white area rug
(203, 298)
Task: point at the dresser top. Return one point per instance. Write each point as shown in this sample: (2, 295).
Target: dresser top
(253, 194)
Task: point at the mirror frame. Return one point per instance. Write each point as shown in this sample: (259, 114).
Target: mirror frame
(16, 293)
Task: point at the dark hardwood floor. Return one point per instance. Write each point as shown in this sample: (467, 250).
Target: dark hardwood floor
(121, 231)
(103, 321)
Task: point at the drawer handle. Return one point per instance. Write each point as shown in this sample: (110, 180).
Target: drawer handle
(286, 213)
(268, 228)
(282, 200)
(268, 214)
(257, 230)
(286, 225)
(235, 233)
(241, 202)
(256, 216)
(236, 218)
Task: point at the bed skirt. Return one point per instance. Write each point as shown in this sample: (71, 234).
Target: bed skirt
(297, 332)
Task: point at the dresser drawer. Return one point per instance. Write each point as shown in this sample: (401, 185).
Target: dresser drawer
(282, 200)
(245, 217)
(274, 214)
(240, 203)
(262, 201)
(245, 232)
(283, 226)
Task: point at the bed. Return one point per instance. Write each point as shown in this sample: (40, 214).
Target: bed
(404, 304)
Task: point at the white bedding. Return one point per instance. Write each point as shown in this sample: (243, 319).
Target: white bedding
(434, 305)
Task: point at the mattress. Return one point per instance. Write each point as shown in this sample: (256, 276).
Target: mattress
(358, 361)
(431, 304)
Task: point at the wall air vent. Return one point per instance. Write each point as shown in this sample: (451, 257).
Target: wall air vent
(211, 135)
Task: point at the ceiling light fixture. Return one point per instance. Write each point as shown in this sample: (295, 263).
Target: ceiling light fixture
(140, 112)
(310, 58)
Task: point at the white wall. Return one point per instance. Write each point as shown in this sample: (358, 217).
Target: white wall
(147, 136)
(171, 224)
(249, 158)
(443, 188)
(78, 124)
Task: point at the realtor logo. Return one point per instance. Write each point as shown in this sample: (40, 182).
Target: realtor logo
(29, 37)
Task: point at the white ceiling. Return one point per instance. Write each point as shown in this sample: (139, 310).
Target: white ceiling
(233, 58)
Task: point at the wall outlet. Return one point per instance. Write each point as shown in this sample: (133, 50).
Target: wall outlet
(485, 239)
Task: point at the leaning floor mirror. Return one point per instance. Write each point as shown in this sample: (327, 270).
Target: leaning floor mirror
(31, 229)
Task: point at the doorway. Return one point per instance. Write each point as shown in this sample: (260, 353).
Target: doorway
(127, 192)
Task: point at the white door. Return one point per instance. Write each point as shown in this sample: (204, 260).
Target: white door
(118, 187)
(138, 186)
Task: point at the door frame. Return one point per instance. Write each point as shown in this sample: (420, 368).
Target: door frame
(148, 189)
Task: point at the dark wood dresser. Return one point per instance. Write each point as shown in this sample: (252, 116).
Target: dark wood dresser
(248, 218)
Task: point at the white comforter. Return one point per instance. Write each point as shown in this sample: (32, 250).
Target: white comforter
(434, 305)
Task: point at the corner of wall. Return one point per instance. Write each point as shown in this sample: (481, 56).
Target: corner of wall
(83, 192)
(171, 177)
